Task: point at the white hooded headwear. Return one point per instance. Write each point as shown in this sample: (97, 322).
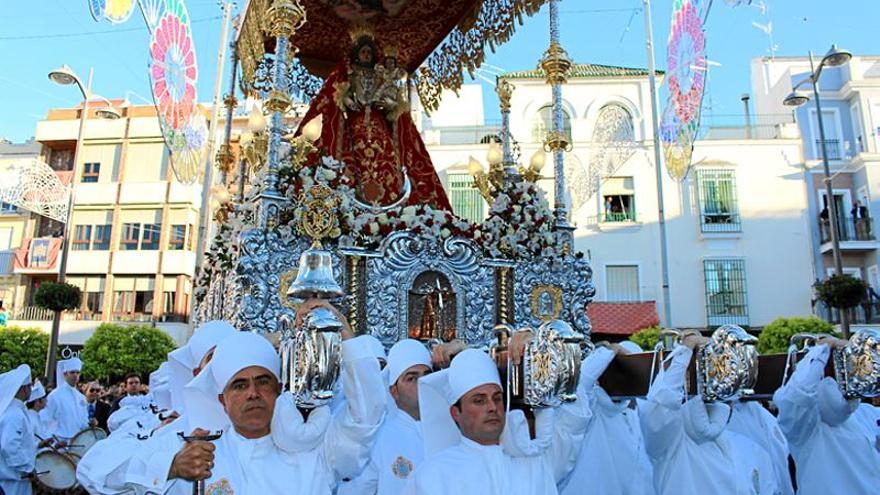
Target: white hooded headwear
(404, 355)
(184, 360)
(235, 353)
(438, 391)
(65, 365)
(10, 382)
(160, 386)
(37, 391)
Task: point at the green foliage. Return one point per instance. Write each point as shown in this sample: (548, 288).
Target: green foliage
(647, 338)
(114, 350)
(57, 297)
(23, 345)
(841, 291)
(775, 337)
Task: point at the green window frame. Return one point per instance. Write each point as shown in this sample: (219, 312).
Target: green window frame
(466, 200)
(719, 210)
(726, 291)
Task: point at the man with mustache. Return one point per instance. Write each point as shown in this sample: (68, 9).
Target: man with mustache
(473, 445)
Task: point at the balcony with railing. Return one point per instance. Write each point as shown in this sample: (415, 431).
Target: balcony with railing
(720, 222)
(854, 234)
(865, 314)
(461, 135)
(832, 147)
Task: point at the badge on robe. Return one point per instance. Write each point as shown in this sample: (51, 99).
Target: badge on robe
(220, 487)
(402, 467)
(756, 481)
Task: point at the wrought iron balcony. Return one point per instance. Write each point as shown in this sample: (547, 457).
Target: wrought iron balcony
(849, 229)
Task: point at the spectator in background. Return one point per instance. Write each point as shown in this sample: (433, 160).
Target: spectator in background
(99, 410)
(3, 315)
(132, 386)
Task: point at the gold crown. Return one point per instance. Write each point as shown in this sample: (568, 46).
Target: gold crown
(391, 51)
(361, 31)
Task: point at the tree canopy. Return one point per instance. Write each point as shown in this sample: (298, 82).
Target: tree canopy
(775, 337)
(115, 350)
(23, 345)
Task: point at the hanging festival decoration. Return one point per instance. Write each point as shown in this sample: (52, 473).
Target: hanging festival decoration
(33, 185)
(152, 11)
(686, 78)
(115, 11)
(173, 75)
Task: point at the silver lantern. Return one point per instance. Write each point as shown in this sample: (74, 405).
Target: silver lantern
(727, 366)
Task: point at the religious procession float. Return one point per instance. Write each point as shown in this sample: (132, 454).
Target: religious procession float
(347, 206)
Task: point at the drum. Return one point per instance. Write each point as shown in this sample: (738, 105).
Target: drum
(83, 441)
(55, 472)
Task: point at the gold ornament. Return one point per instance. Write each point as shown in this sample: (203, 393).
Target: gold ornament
(284, 17)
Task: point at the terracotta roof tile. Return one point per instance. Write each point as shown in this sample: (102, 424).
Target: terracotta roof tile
(622, 318)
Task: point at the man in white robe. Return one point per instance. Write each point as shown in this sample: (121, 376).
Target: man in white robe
(66, 410)
(101, 469)
(18, 445)
(36, 403)
(831, 449)
(690, 449)
(250, 459)
(612, 459)
(750, 419)
(399, 448)
(463, 419)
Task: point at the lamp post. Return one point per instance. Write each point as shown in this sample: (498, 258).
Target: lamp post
(834, 58)
(65, 77)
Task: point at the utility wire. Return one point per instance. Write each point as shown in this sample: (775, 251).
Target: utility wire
(93, 33)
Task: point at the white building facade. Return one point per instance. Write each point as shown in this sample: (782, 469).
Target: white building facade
(737, 227)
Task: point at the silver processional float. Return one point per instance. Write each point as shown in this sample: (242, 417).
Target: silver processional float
(402, 267)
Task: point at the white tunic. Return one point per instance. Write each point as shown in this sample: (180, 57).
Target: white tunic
(758, 425)
(518, 466)
(399, 450)
(66, 412)
(687, 444)
(612, 460)
(18, 449)
(833, 453)
(39, 425)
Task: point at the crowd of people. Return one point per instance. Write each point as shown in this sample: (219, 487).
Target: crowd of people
(420, 421)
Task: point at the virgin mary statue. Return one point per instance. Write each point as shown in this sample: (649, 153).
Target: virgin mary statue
(368, 127)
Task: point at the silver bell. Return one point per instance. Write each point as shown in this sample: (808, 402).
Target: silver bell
(315, 276)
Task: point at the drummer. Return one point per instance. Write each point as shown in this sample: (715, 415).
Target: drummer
(18, 445)
(67, 411)
(36, 403)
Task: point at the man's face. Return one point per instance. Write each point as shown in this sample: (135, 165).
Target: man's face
(249, 400)
(480, 414)
(39, 404)
(204, 362)
(93, 391)
(23, 392)
(406, 390)
(133, 385)
(71, 377)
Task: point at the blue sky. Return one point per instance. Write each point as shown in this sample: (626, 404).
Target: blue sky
(37, 36)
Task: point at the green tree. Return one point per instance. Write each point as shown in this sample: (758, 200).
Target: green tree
(775, 337)
(646, 338)
(114, 350)
(23, 345)
(841, 291)
(58, 297)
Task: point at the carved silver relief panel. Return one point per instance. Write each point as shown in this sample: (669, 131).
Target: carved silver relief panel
(392, 271)
(546, 289)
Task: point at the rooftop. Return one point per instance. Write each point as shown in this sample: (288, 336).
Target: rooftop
(622, 318)
(27, 148)
(584, 71)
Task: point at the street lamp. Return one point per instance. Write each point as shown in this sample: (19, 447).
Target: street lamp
(65, 76)
(834, 58)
